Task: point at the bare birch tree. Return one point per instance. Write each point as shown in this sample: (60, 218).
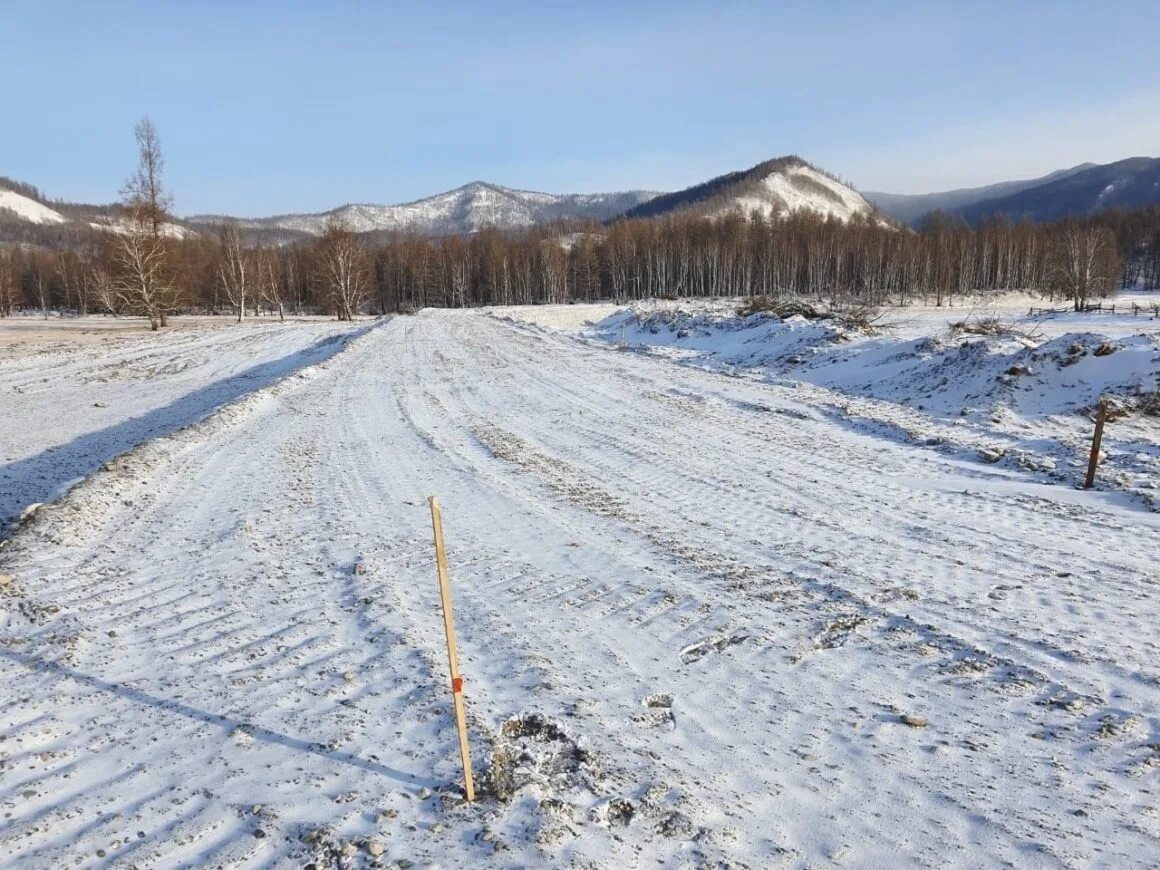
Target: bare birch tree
(234, 269)
(1086, 262)
(103, 286)
(40, 285)
(343, 268)
(144, 281)
(269, 285)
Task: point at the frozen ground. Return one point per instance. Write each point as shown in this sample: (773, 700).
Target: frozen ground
(704, 620)
(1023, 398)
(76, 392)
(910, 321)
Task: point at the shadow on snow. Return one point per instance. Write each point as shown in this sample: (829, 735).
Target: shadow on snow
(46, 476)
(226, 723)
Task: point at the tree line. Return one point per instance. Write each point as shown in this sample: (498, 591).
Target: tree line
(142, 264)
(142, 269)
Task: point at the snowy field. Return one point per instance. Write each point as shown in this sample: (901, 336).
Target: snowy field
(715, 606)
(909, 320)
(1022, 397)
(79, 391)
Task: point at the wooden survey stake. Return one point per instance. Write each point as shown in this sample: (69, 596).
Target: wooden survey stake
(452, 651)
(1097, 437)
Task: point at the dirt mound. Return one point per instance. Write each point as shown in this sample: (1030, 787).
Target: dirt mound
(781, 308)
(533, 750)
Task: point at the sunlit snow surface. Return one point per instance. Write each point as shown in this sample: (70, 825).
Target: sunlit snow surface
(28, 209)
(698, 602)
(800, 188)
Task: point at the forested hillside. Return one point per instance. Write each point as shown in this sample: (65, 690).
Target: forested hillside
(781, 228)
(911, 208)
(1132, 183)
(1078, 191)
(781, 187)
(859, 262)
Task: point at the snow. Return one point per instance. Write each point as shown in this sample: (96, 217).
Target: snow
(567, 318)
(697, 611)
(1023, 399)
(796, 188)
(123, 225)
(28, 209)
(467, 209)
(122, 389)
(34, 212)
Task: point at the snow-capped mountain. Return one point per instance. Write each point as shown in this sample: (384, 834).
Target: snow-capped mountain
(782, 186)
(466, 209)
(778, 187)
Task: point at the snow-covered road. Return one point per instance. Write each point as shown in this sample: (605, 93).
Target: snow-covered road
(72, 403)
(726, 604)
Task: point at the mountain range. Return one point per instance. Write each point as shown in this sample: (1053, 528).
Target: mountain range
(908, 208)
(1079, 190)
(466, 209)
(775, 187)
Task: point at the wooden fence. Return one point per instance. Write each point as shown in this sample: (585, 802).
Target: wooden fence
(1152, 309)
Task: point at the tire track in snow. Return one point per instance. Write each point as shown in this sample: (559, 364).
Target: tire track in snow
(1014, 674)
(581, 601)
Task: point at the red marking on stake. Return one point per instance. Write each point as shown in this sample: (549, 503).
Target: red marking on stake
(457, 684)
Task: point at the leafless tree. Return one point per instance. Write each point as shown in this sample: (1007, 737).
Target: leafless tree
(9, 288)
(145, 189)
(269, 285)
(41, 285)
(145, 282)
(1086, 263)
(847, 265)
(100, 280)
(234, 268)
(342, 268)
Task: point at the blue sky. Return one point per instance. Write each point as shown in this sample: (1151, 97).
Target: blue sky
(266, 107)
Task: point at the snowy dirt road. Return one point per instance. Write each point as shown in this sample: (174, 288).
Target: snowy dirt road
(700, 623)
(73, 401)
